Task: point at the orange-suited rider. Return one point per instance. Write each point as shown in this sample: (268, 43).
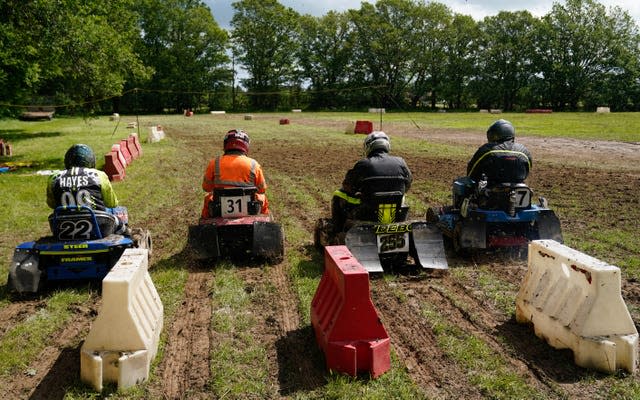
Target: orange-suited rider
(234, 169)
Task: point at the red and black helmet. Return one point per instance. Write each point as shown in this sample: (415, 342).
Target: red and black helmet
(236, 139)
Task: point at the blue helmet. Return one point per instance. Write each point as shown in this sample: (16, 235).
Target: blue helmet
(79, 155)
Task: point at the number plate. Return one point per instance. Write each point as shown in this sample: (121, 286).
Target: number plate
(234, 206)
(523, 198)
(392, 238)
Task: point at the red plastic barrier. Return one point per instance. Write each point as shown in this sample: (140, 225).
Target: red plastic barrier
(113, 167)
(365, 127)
(132, 148)
(136, 142)
(125, 151)
(284, 121)
(116, 148)
(344, 319)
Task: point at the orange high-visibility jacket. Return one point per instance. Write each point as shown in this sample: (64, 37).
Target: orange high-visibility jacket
(234, 170)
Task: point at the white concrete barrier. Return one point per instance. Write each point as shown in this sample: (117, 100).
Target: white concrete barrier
(603, 110)
(218, 112)
(350, 127)
(156, 135)
(124, 338)
(377, 110)
(296, 110)
(574, 301)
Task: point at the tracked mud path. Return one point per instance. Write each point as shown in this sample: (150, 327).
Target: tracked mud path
(416, 345)
(57, 366)
(185, 366)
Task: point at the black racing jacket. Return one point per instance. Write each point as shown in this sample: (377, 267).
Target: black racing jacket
(380, 172)
(506, 162)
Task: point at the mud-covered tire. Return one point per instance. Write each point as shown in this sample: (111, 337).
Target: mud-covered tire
(455, 240)
(433, 215)
(142, 239)
(322, 233)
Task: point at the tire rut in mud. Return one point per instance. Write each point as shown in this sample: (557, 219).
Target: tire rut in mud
(416, 345)
(294, 360)
(58, 365)
(185, 366)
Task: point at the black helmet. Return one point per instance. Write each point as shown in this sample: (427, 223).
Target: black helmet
(501, 131)
(79, 155)
(376, 140)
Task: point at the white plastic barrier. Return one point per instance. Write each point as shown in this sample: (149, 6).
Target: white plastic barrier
(603, 110)
(156, 135)
(573, 301)
(124, 337)
(350, 127)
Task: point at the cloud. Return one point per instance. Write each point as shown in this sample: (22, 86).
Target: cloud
(478, 9)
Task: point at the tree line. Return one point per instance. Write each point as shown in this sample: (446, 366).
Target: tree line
(156, 56)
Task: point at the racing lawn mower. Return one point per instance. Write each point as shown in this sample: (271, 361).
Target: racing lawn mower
(501, 216)
(83, 247)
(381, 239)
(236, 229)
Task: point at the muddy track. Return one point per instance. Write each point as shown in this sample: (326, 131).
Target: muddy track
(185, 366)
(412, 338)
(58, 365)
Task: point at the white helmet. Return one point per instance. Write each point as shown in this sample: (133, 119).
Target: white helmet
(376, 140)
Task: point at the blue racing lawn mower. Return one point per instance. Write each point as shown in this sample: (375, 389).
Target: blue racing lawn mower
(500, 216)
(84, 246)
(236, 229)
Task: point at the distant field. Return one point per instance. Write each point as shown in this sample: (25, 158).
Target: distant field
(244, 332)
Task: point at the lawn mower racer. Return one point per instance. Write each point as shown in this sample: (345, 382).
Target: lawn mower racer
(235, 220)
(369, 214)
(90, 232)
(492, 206)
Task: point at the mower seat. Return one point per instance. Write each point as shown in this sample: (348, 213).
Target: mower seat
(81, 223)
(383, 207)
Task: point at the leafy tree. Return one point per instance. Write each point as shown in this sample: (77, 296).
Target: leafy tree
(430, 22)
(584, 52)
(506, 59)
(383, 48)
(462, 52)
(186, 48)
(265, 36)
(71, 50)
(324, 56)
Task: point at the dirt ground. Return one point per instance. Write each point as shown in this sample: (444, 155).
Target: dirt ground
(604, 176)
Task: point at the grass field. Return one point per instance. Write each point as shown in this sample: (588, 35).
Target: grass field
(243, 332)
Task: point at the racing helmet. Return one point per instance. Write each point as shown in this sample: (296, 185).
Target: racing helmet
(375, 141)
(79, 155)
(501, 131)
(236, 139)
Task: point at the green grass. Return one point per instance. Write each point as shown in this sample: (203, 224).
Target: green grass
(239, 364)
(172, 167)
(612, 126)
(34, 333)
(487, 370)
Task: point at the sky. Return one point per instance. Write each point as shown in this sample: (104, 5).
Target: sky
(478, 9)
